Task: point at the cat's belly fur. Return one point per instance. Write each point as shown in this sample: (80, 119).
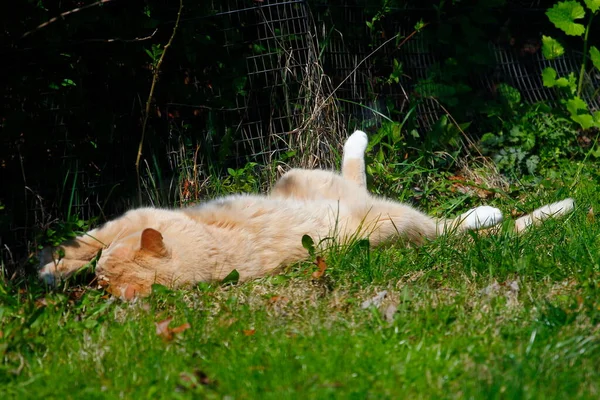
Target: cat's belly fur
(255, 234)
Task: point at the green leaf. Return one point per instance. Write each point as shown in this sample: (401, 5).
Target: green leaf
(571, 82)
(576, 104)
(150, 54)
(595, 57)
(232, 278)
(584, 120)
(579, 113)
(551, 48)
(593, 5)
(258, 48)
(419, 25)
(68, 82)
(549, 77)
(158, 289)
(309, 244)
(239, 85)
(549, 80)
(511, 95)
(563, 16)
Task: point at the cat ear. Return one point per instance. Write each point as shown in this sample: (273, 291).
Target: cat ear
(152, 241)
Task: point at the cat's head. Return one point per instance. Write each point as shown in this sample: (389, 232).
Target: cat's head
(131, 265)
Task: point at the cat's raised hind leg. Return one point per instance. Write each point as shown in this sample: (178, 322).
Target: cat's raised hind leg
(353, 162)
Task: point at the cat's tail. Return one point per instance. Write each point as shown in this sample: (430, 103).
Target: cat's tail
(487, 218)
(353, 164)
(554, 210)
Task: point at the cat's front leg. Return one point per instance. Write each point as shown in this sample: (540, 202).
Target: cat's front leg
(58, 263)
(60, 269)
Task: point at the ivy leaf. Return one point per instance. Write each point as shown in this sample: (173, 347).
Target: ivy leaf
(595, 56)
(593, 5)
(576, 104)
(584, 120)
(570, 82)
(551, 48)
(579, 112)
(563, 16)
(549, 80)
(549, 77)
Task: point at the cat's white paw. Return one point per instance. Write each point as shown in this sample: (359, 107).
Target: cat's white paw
(356, 145)
(481, 217)
(49, 272)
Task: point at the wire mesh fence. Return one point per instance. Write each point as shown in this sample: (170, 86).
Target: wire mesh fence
(356, 60)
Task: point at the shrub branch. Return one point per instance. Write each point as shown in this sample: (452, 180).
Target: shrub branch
(155, 73)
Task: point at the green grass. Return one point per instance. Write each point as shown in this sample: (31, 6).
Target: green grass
(476, 317)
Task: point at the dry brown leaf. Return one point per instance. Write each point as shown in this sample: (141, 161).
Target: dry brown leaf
(76, 293)
(181, 328)
(249, 332)
(515, 213)
(41, 302)
(461, 185)
(162, 328)
(590, 215)
(278, 299)
(321, 267)
(167, 334)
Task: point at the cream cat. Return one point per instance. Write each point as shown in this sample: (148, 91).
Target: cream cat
(254, 234)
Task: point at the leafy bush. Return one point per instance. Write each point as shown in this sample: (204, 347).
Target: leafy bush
(564, 15)
(532, 142)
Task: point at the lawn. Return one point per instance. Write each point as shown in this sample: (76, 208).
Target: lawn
(475, 316)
